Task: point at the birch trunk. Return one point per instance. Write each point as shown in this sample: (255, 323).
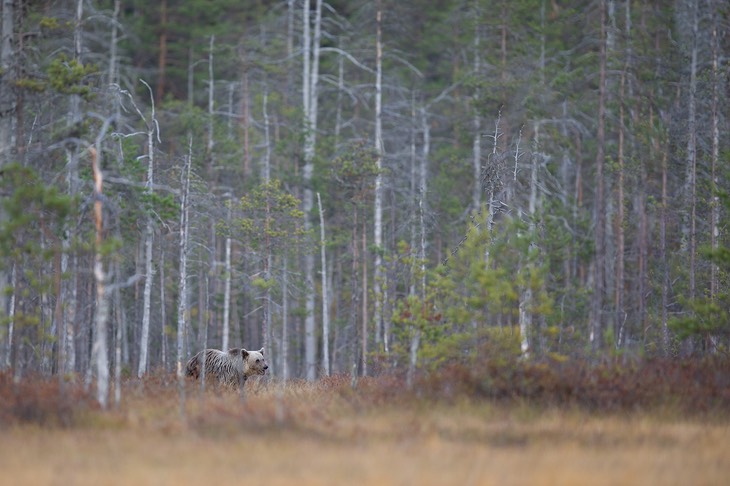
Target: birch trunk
(118, 344)
(378, 218)
(266, 177)
(525, 306)
(163, 314)
(149, 237)
(325, 294)
(310, 79)
(182, 282)
(227, 285)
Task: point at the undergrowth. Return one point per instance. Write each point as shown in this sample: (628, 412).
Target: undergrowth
(686, 388)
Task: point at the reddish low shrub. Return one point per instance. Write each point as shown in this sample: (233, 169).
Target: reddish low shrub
(40, 401)
(692, 386)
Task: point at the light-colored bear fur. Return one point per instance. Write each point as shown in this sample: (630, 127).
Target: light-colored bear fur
(231, 368)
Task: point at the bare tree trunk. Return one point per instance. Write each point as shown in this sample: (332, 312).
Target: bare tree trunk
(364, 261)
(599, 260)
(163, 313)
(492, 180)
(285, 321)
(619, 287)
(266, 169)
(227, 285)
(102, 299)
(415, 196)
(416, 331)
(149, 237)
(378, 219)
(340, 90)
(310, 79)
(477, 123)
(642, 190)
(11, 319)
(325, 295)
(70, 287)
(182, 283)
(118, 345)
(715, 159)
(663, 257)
(692, 154)
(266, 177)
(525, 306)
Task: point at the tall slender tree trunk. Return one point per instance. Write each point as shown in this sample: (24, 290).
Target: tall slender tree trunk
(599, 219)
(663, 258)
(69, 261)
(325, 294)
(415, 194)
(284, 360)
(102, 298)
(642, 189)
(149, 237)
(525, 306)
(310, 81)
(378, 218)
(228, 270)
(476, 199)
(8, 121)
(182, 314)
(364, 261)
(416, 331)
(715, 159)
(620, 203)
(163, 314)
(692, 153)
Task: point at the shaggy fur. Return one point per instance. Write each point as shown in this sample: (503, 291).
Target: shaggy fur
(229, 368)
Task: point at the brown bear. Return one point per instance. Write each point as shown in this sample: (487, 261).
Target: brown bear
(231, 368)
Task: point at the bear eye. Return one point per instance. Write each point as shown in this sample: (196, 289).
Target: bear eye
(258, 360)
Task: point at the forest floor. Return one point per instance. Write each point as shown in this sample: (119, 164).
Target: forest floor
(326, 433)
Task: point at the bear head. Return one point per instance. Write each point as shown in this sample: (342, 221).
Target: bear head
(255, 362)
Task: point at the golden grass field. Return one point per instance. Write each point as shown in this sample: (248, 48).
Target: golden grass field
(315, 435)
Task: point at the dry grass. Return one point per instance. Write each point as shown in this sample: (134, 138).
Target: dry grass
(327, 434)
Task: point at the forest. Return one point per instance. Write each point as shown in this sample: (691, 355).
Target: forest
(360, 187)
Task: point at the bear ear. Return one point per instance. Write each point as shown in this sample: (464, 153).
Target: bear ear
(261, 350)
(244, 353)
